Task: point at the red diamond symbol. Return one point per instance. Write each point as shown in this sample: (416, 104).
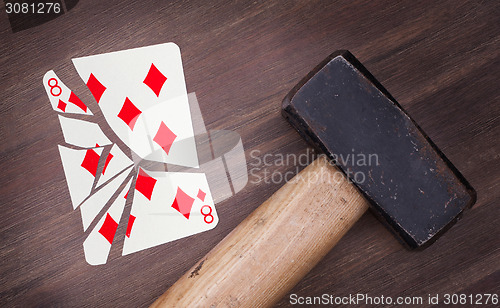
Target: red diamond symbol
(129, 113)
(155, 80)
(90, 161)
(183, 203)
(164, 137)
(62, 105)
(108, 228)
(107, 162)
(201, 195)
(75, 100)
(95, 87)
(131, 220)
(145, 184)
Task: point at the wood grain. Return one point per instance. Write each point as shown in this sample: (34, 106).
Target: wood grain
(276, 246)
(440, 60)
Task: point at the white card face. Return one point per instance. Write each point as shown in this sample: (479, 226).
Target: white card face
(142, 94)
(61, 97)
(96, 202)
(116, 161)
(98, 243)
(80, 168)
(168, 206)
(82, 133)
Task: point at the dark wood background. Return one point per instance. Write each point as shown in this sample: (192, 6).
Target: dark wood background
(440, 60)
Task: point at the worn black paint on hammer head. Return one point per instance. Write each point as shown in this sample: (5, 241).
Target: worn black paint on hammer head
(341, 109)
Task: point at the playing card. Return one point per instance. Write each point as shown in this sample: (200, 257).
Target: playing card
(143, 97)
(168, 206)
(61, 97)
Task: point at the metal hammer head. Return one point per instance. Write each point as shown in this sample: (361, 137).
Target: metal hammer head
(342, 110)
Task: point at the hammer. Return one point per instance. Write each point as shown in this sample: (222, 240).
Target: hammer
(343, 111)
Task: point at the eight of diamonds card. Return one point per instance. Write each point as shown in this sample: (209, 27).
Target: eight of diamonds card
(142, 94)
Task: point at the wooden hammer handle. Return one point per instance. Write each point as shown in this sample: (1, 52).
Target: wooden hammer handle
(276, 246)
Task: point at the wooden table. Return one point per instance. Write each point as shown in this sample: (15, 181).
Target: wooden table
(439, 59)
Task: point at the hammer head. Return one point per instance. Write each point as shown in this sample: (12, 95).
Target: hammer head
(342, 110)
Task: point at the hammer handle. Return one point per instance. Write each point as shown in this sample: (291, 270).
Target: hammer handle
(276, 246)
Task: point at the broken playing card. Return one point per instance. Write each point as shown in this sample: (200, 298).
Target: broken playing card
(142, 95)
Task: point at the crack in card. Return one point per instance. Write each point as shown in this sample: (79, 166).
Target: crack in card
(142, 95)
